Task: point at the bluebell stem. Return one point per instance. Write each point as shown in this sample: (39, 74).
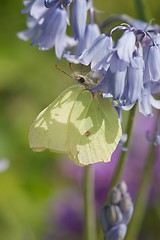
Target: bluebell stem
(156, 139)
(117, 214)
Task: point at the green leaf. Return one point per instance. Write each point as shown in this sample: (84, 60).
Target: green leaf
(79, 123)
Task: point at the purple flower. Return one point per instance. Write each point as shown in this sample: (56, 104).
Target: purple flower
(97, 53)
(147, 101)
(123, 82)
(152, 59)
(134, 80)
(50, 34)
(116, 233)
(92, 31)
(47, 27)
(129, 68)
(126, 46)
(36, 9)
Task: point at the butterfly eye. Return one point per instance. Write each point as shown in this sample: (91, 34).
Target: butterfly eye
(81, 79)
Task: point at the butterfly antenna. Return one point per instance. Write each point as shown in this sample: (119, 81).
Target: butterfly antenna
(70, 65)
(90, 74)
(63, 71)
(81, 68)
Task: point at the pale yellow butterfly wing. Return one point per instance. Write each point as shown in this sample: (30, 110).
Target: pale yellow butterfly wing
(94, 129)
(50, 128)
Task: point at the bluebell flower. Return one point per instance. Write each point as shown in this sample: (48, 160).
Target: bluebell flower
(126, 45)
(118, 232)
(152, 53)
(147, 101)
(30, 32)
(130, 67)
(37, 9)
(47, 27)
(52, 31)
(125, 83)
(101, 53)
(48, 19)
(134, 81)
(98, 52)
(91, 33)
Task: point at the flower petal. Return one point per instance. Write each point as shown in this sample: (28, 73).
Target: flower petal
(126, 45)
(154, 63)
(79, 16)
(38, 9)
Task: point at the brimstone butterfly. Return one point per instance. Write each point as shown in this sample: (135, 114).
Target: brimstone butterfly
(79, 123)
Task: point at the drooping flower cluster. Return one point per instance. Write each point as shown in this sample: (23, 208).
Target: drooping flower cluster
(128, 68)
(48, 20)
(117, 214)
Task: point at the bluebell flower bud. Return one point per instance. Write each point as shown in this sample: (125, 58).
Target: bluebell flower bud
(115, 196)
(122, 143)
(114, 215)
(122, 186)
(105, 226)
(111, 215)
(117, 214)
(126, 207)
(116, 233)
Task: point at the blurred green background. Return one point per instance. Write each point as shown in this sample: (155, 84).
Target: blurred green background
(29, 81)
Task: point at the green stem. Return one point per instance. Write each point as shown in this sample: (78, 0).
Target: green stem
(89, 205)
(141, 201)
(140, 9)
(123, 156)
